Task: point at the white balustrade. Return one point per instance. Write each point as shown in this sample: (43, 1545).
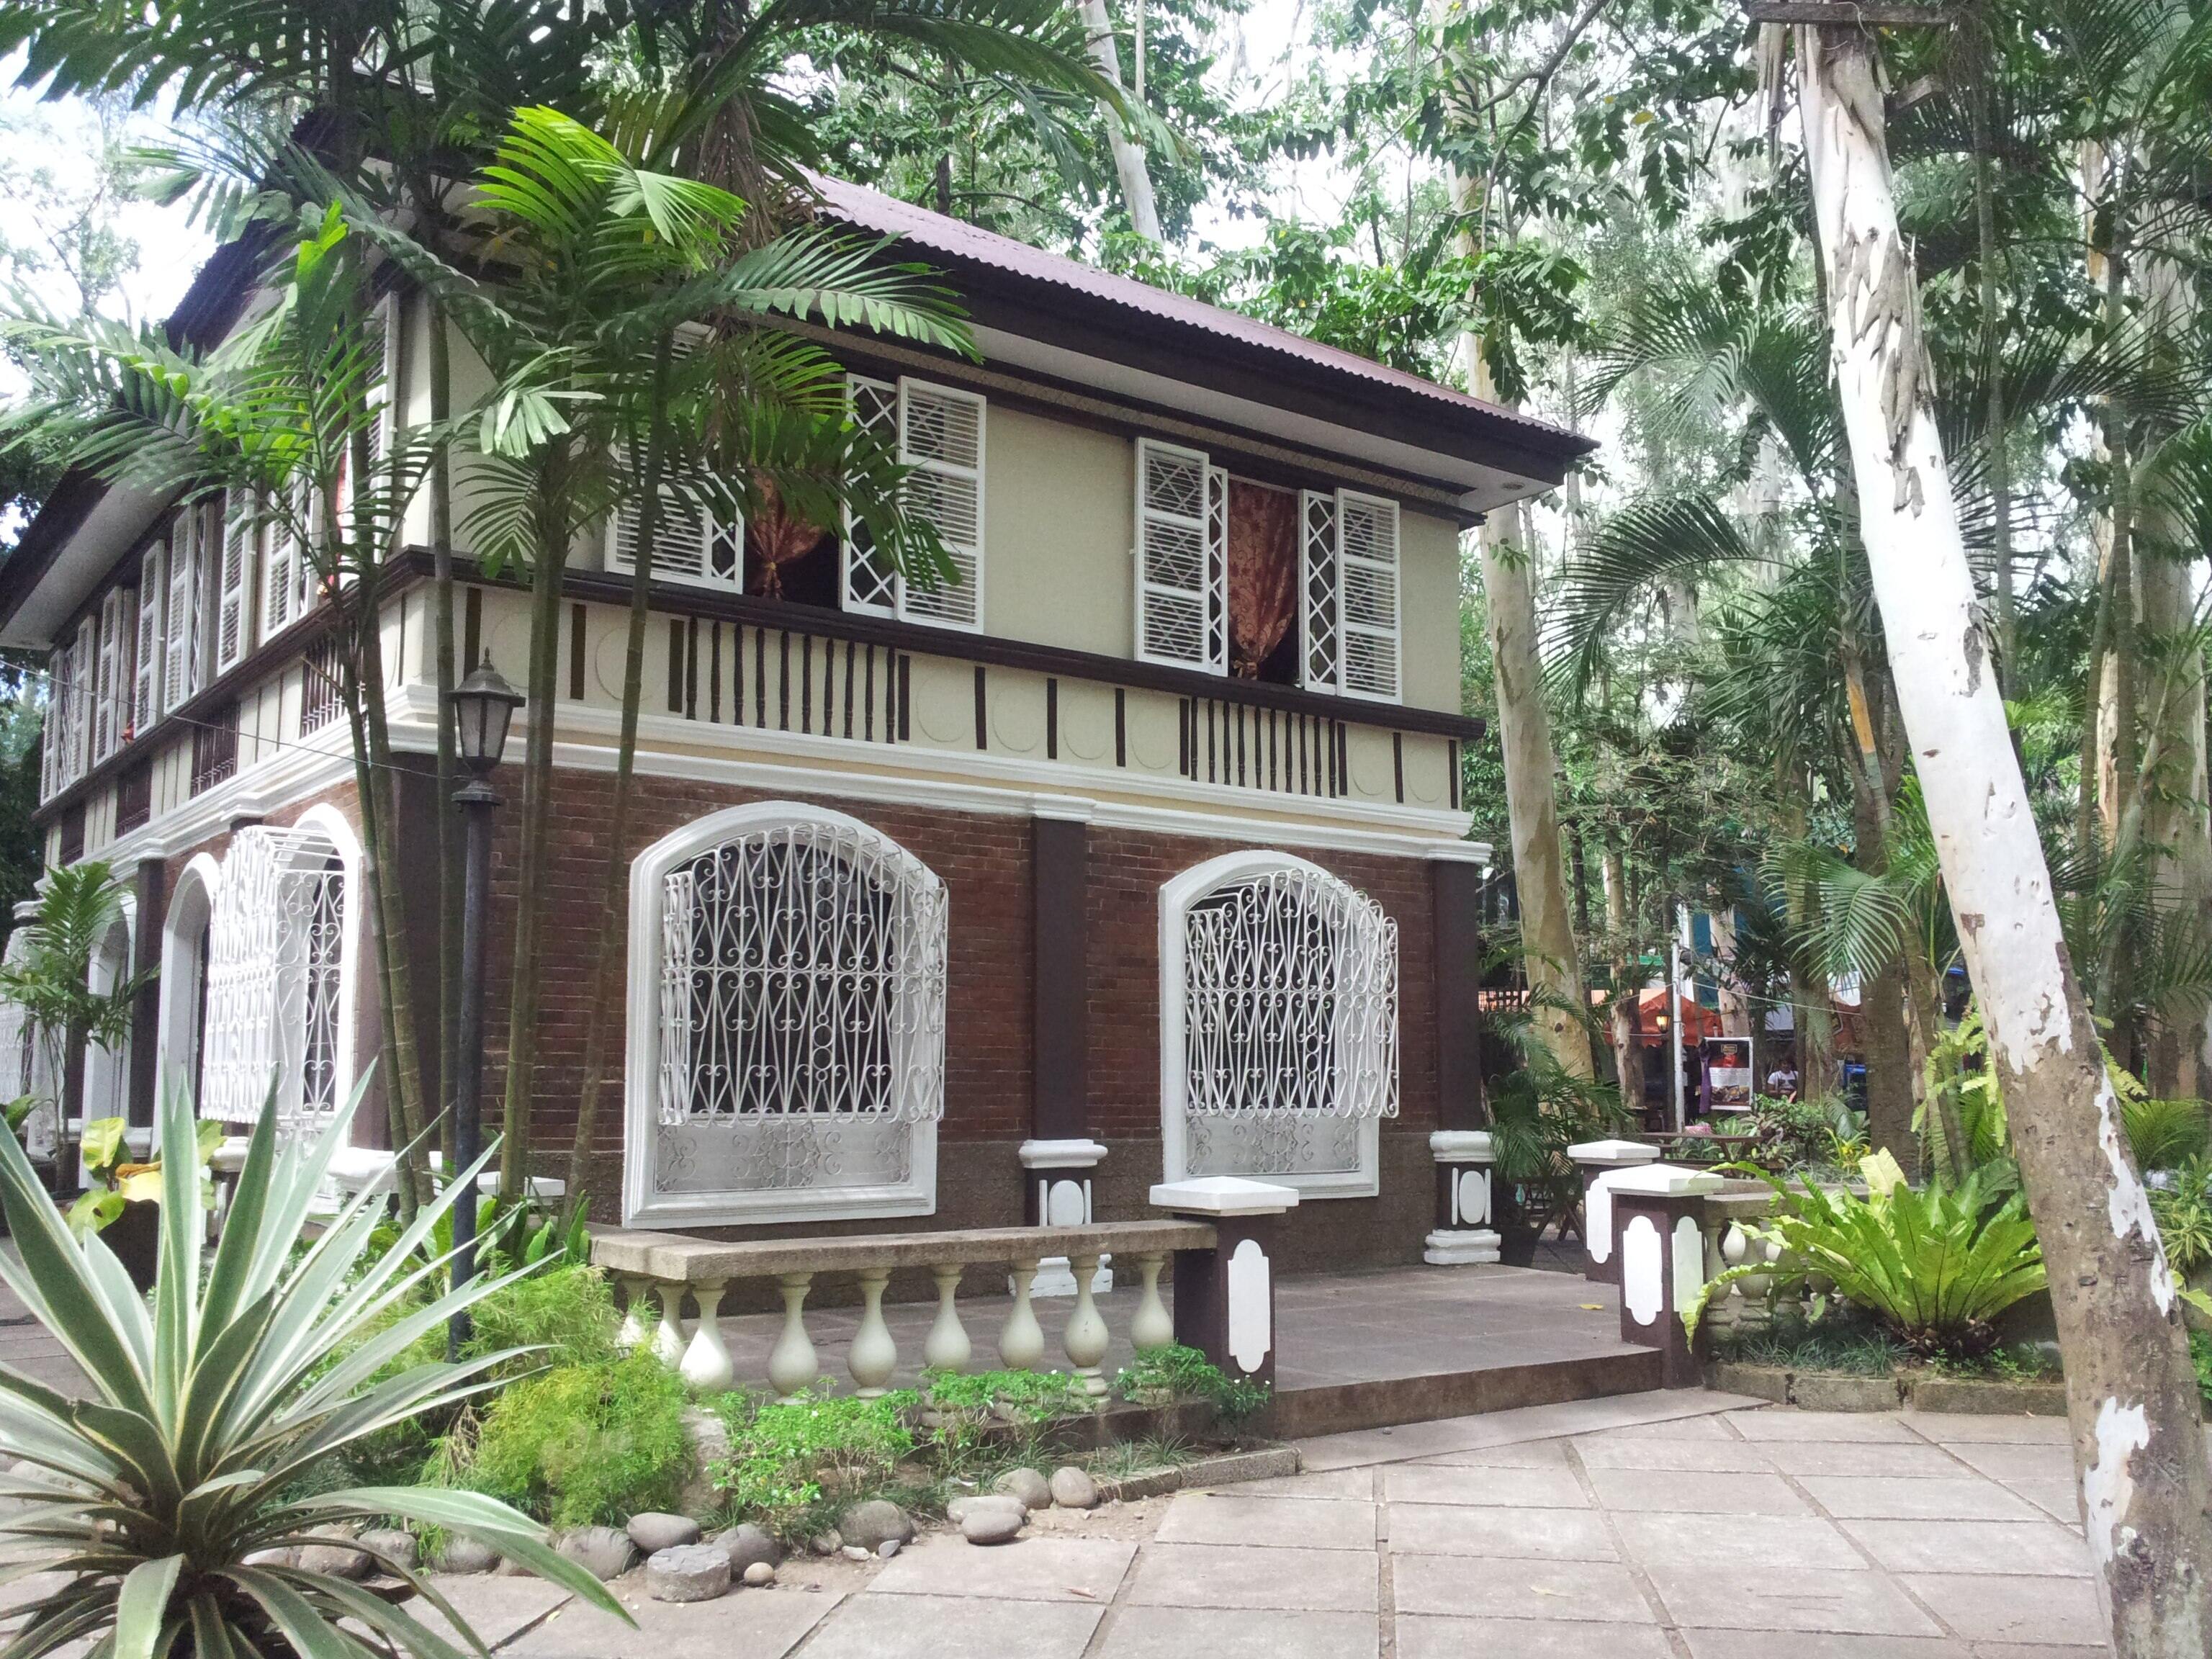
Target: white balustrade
(1153, 1325)
(948, 1349)
(707, 1365)
(873, 1356)
(668, 1341)
(1085, 1339)
(1021, 1339)
(792, 1366)
(632, 1332)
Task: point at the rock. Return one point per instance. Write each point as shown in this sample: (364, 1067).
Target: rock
(602, 1552)
(1032, 1488)
(710, 1451)
(467, 1555)
(1074, 1489)
(887, 1548)
(688, 1572)
(855, 1553)
(958, 1509)
(392, 1544)
(336, 1556)
(285, 1558)
(992, 1523)
(826, 1543)
(653, 1532)
(748, 1547)
(875, 1522)
(759, 1573)
(508, 1568)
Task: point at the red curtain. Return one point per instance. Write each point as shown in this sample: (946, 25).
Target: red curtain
(1263, 572)
(777, 537)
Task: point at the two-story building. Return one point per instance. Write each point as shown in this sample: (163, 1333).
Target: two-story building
(1138, 852)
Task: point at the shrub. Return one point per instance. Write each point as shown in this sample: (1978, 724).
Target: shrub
(596, 1442)
(2200, 1354)
(1186, 1374)
(1936, 1265)
(2183, 1211)
(2165, 1133)
(783, 1450)
(567, 1312)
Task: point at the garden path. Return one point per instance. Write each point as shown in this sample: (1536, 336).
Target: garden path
(1679, 1526)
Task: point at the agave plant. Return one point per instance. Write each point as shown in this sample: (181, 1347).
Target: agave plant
(168, 1492)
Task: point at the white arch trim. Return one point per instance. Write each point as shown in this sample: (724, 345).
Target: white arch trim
(345, 841)
(1363, 1179)
(644, 1204)
(190, 908)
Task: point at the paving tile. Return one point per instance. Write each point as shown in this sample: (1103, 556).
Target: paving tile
(1244, 1633)
(1519, 1534)
(759, 1623)
(1873, 1497)
(1780, 1543)
(1947, 1428)
(1617, 1451)
(495, 1607)
(1830, 1603)
(1353, 1483)
(1803, 1644)
(1422, 1636)
(1322, 1523)
(1989, 1607)
(1786, 1423)
(2036, 1650)
(1545, 1489)
(871, 1626)
(1669, 1410)
(2060, 1499)
(2015, 1460)
(1713, 1426)
(1695, 1491)
(1460, 1587)
(1528, 1455)
(1027, 1569)
(1230, 1576)
(1917, 1461)
(1974, 1546)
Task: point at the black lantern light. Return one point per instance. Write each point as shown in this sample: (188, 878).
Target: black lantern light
(483, 708)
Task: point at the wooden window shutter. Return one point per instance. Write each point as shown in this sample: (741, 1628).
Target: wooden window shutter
(941, 437)
(233, 629)
(1367, 544)
(690, 544)
(118, 623)
(180, 615)
(867, 581)
(1182, 558)
(146, 660)
(1321, 662)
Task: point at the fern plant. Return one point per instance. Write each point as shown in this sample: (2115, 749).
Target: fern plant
(1936, 1265)
(2165, 1134)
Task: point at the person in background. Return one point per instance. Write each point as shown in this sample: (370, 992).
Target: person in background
(1783, 1082)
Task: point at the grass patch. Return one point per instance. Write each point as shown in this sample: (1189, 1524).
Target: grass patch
(579, 1444)
(1865, 1349)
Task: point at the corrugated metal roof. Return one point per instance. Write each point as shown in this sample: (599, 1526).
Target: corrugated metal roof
(869, 209)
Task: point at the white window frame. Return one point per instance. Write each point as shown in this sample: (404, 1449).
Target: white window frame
(1211, 526)
(146, 659)
(643, 1204)
(863, 588)
(1329, 569)
(118, 629)
(1377, 1098)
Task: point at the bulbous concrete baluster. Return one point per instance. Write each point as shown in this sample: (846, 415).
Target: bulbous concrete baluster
(706, 1365)
(792, 1366)
(1153, 1325)
(1084, 1339)
(633, 1327)
(668, 1341)
(947, 1347)
(873, 1356)
(1021, 1339)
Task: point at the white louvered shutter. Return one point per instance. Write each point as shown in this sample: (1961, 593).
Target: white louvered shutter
(387, 396)
(941, 437)
(54, 733)
(287, 572)
(1367, 545)
(869, 583)
(1320, 666)
(85, 679)
(118, 623)
(181, 614)
(234, 627)
(146, 665)
(679, 917)
(1182, 558)
(688, 546)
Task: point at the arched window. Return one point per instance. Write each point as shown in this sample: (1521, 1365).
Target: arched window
(279, 976)
(186, 942)
(787, 1022)
(107, 1070)
(1279, 1024)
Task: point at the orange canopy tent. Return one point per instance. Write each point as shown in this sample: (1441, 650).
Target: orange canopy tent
(1698, 1021)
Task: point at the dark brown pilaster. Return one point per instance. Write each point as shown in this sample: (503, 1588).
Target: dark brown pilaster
(150, 887)
(1455, 893)
(1059, 1013)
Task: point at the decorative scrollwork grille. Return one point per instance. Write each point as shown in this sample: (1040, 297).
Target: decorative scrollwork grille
(274, 979)
(802, 976)
(1291, 999)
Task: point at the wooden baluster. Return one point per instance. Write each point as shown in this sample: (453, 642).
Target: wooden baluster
(707, 1365)
(873, 1356)
(633, 1327)
(1153, 1326)
(792, 1366)
(1084, 1339)
(948, 1349)
(668, 1341)
(1021, 1339)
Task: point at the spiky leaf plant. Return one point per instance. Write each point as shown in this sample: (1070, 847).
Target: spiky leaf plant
(209, 1401)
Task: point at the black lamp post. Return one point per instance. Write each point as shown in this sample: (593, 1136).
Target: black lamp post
(483, 707)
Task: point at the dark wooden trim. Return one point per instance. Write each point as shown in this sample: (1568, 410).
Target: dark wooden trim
(1456, 913)
(150, 883)
(1059, 980)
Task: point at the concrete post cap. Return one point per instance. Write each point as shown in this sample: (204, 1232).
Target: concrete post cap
(1613, 1153)
(1224, 1195)
(1062, 1154)
(1663, 1181)
(1461, 1146)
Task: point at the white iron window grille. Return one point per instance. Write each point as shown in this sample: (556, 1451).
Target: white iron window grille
(275, 980)
(794, 1047)
(1279, 1015)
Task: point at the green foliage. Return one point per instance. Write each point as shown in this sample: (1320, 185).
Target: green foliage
(2165, 1134)
(212, 1406)
(2183, 1211)
(1013, 1396)
(784, 1452)
(1845, 1346)
(580, 1443)
(1186, 1374)
(2200, 1356)
(1958, 1069)
(79, 907)
(1936, 1265)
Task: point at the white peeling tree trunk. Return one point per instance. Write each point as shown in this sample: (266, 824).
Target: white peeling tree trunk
(1129, 162)
(2131, 1398)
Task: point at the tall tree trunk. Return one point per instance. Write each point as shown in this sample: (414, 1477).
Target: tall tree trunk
(450, 897)
(1627, 980)
(2131, 1395)
(1129, 163)
(1981, 104)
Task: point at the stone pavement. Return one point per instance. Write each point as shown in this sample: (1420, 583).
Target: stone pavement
(1680, 1526)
